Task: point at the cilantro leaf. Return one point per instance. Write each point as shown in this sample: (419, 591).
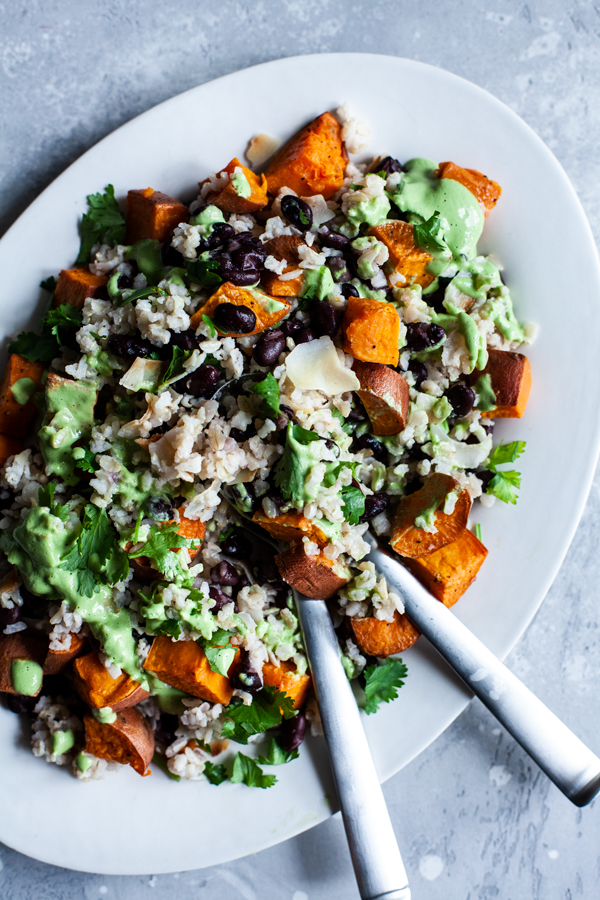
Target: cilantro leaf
(49, 284)
(203, 272)
(46, 498)
(293, 467)
(247, 771)
(96, 555)
(428, 235)
(86, 462)
(268, 388)
(103, 221)
(126, 296)
(161, 541)
(506, 453)
(63, 316)
(175, 368)
(504, 486)
(382, 683)
(353, 503)
(347, 426)
(212, 330)
(264, 712)
(35, 347)
(218, 660)
(477, 530)
(159, 760)
(169, 628)
(276, 755)
(215, 774)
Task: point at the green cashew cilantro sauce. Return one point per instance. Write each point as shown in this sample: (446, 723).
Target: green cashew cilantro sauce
(83, 762)
(26, 676)
(69, 417)
(241, 185)
(62, 742)
(106, 715)
(486, 398)
(317, 284)
(208, 218)
(367, 212)
(23, 389)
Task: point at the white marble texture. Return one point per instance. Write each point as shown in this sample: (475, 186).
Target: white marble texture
(475, 819)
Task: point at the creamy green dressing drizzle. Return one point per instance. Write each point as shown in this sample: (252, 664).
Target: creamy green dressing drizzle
(23, 389)
(26, 676)
(62, 742)
(69, 417)
(105, 714)
(241, 185)
(83, 762)
(486, 398)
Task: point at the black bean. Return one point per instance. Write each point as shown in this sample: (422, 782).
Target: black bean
(224, 573)
(334, 241)
(170, 257)
(187, 340)
(124, 283)
(374, 505)
(246, 678)
(243, 582)
(389, 165)
(247, 256)
(297, 212)
(472, 439)
(237, 435)
(324, 319)
(221, 233)
(420, 336)
(415, 453)
(338, 268)
(202, 382)
(221, 599)
(268, 348)
(358, 413)
(348, 290)
(419, 370)
(286, 415)
(290, 327)
(292, 731)
(130, 346)
(18, 703)
(237, 545)
(368, 442)
(228, 272)
(305, 335)
(158, 508)
(9, 616)
(461, 398)
(236, 319)
(488, 427)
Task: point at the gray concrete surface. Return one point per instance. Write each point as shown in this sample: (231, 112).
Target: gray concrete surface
(475, 819)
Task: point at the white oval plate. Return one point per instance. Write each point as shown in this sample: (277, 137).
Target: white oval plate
(126, 825)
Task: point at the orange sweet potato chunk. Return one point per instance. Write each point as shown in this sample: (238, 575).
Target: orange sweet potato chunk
(230, 201)
(99, 689)
(510, 376)
(127, 740)
(74, 285)
(405, 256)
(183, 665)
(193, 529)
(252, 299)
(313, 162)
(314, 576)
(14, 418)
(376, 637)
(283, 247)
(407, 539)
(57, 660)
(286, 679)
(291, 527)
(448, 572)
(18, 646)
(151, 214)
(483, 188)
(9, 446)
(371, 331)
(385, 395)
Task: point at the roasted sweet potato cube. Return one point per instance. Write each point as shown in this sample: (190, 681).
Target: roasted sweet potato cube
(286, 679)
(371, 331)
(486, 190)
(74, 285)
(272, 284)
(267, 310)
(313, 162)
(9, 446)
(314, 576)
(385, 395)
(409, 540)
(291, 527)
(405, 256)
(510, 378)
(21, 648)
(448, 572)
(229, 200)
(151, 214)
(128, 740)
(21, 377)
(375, 637)
(183, 665)
(57, 660)
(99, 689)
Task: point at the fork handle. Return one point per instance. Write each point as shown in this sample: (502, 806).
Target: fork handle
(375, 855)
(572, 766)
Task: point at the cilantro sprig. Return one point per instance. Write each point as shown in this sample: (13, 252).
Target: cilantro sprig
(215, 774)
(45, 346)
(268, 389)
(505, 485)
(247, 771)
(103, 222)
(428, 235)
(276, 755)
(267, 710)
(96, 555)
(161, 540)
(382, 683)
(293, 467)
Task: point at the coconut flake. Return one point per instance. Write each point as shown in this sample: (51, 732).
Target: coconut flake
(316, 366)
